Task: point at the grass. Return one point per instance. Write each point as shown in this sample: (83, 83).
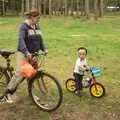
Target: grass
(63, 36)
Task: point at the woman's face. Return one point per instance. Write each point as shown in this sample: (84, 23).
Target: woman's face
(35, 19)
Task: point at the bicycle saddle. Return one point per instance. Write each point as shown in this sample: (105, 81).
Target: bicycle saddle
(6, 53)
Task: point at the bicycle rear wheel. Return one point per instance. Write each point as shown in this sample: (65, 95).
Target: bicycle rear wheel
(71, 85)
(4, 80)
(45, 91)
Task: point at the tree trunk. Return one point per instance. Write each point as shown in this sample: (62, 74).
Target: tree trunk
(96, 9)
(82, 7)
(36, 4)
(22, 7)
(33, 4)
(39, 6)
(87, 9)
(101, 8)
(44, 11)
(78, 7)
(66, 7)
(27, 5)
(3, 7)
(50, 8)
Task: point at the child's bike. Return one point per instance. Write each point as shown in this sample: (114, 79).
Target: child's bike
(96, 89)
(44, 89)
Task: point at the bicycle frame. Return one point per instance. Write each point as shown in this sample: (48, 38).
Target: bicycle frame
(93, 78)
(41, 61)
(9, 68)
(41, 57)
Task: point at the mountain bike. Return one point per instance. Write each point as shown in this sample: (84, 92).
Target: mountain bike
(96, 89)
(43, 88)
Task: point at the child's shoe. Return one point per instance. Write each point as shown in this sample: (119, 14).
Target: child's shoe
(78, 93)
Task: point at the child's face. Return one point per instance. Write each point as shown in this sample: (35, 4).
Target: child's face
(82, 54)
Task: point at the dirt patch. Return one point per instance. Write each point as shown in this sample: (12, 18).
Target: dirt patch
(71, 116)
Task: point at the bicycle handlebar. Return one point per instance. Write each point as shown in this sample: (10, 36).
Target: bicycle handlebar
(39, 53)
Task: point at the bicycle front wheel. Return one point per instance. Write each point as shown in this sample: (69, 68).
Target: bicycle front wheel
(45, 91)
(97, 90)
(4, 80)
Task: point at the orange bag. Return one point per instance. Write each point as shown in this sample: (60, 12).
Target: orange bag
(27, 69)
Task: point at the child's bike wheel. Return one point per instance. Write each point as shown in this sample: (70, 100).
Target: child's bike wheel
(71, 85)
(97, 90)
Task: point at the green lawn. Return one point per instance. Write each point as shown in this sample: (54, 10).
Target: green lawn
(63, 36)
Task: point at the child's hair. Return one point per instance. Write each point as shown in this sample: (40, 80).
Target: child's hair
(82, 48)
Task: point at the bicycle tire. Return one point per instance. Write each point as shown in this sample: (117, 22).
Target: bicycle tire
(100, 92)
(4, 80)
(71, 85)
(44, 91)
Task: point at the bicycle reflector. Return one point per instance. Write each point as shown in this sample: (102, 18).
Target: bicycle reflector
(27, 70)
(96, 71)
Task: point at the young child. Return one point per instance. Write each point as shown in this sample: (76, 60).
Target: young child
(80, 67)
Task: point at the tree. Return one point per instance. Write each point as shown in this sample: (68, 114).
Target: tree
(50, 8)
(82, 7)
(78, 7)
(33, 4)
(40, 6)
(66, 7)
(44, 8)
(27, 5)
(87, 8)
(22, 7)
(101, 11)
(72, 7)
(3, 7)
(96, 9)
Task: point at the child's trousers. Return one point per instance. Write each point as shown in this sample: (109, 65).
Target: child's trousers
(78, 79)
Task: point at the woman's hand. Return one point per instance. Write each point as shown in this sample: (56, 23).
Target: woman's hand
(29, 57)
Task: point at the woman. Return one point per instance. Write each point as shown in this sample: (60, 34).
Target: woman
(30, 41)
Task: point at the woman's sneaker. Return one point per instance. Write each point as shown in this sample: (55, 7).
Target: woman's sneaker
(7, 99)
